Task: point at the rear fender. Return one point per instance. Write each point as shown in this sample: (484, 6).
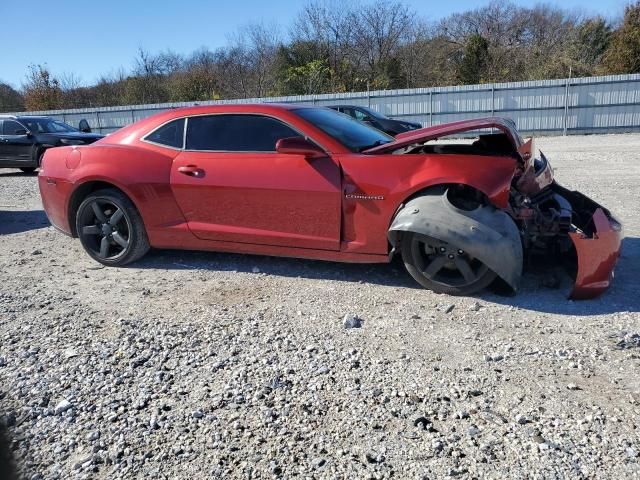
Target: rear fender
(486, 233)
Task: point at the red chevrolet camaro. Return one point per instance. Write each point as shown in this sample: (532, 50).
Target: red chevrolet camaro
(309, 182)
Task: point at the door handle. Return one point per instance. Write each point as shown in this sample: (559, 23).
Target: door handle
(191, 171)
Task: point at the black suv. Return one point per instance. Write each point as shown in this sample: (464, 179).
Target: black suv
(376, 119)
(24, 139)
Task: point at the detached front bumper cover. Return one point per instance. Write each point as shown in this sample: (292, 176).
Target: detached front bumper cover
(597, 255)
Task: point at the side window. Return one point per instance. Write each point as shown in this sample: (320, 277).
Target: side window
(236, 133)
(11, 127)
(33, 126)
(170, 134)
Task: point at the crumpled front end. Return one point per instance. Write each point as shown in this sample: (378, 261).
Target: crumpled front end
(535, 223)
(557, 222)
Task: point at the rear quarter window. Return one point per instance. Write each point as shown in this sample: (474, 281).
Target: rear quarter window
(170, 134)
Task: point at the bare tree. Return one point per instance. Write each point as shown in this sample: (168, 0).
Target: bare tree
(501, 25)
(147, 84)
(73, 93)
(170, 62)
(331, 25)
(381, 29)
(247, 65)
(146, 64)
(548, 36)
(110, 89)
(414, 53)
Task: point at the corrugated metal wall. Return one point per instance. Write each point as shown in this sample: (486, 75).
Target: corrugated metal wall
(608, 104)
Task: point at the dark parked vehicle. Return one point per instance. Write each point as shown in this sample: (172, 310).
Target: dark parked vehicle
(376, 119)
(24, 139)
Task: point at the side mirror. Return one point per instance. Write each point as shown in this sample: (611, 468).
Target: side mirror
(299, 146)
(83, 126)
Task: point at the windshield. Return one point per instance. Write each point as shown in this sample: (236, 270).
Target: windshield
(352, 134)
(46, 125)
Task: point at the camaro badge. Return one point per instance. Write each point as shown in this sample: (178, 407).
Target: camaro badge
(355, 196)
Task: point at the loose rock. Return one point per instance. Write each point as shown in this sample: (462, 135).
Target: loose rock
(62, 406)
(351, 321)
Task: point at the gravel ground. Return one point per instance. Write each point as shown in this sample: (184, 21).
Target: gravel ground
(190, 365)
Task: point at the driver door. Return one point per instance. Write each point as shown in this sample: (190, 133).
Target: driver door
(233, 186)
(15, 143)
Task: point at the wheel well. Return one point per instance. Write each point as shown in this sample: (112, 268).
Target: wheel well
(457, 190)
(461, 190)
(79, 195)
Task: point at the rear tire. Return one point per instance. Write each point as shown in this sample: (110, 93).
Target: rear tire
(111, 229)
(442, 267)
(28, 169)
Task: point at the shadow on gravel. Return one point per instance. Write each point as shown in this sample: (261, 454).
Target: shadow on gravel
(18, 173)
(621, 297)
(392, 275)
(17, 221)
(7, 465)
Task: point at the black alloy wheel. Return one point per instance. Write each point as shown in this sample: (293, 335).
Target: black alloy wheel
(442, 267)
(111, 229)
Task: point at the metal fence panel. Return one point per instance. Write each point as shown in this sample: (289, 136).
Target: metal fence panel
(608, 104)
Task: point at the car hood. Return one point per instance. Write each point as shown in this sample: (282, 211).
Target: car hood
(76, 135)
(430, 133)
(409, 124)
(531, 180)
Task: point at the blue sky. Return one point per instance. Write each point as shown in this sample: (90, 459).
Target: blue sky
(91, 37)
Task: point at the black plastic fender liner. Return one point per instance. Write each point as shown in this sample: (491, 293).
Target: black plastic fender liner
(486, 233)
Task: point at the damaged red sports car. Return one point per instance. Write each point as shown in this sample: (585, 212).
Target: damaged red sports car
(309, 182)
